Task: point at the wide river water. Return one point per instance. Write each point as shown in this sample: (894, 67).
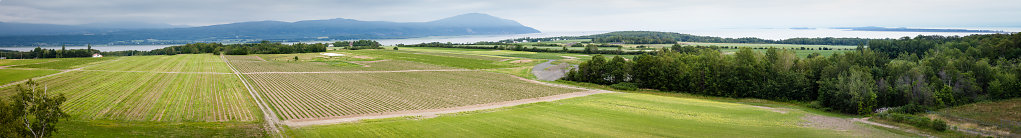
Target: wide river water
(766, 33)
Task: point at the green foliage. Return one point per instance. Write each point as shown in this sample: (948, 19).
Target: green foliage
(625, 86)
(913, 120)
(360, 44)
(939, 125)
(852, 92)
(33, 112)
(263, 47)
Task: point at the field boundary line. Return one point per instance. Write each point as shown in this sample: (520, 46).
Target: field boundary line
(435, 112)
(58, 73)
(355, 72)
(268, 114)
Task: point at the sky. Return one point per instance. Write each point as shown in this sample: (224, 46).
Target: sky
(545, 15)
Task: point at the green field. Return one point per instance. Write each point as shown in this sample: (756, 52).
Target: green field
(95, 95)
(111, 128)
(64, 63)
(602, 115)
(14, 75)
(1001, 118)
(177, 63)
(451, 61)
(10, 62)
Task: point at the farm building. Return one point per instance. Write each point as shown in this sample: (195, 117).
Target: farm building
(97, 55)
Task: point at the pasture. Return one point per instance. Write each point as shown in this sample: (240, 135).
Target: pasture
(601, 115)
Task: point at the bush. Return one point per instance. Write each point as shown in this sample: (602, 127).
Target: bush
(625, 86)
(917, 121)
(939, 125)
(909, 109)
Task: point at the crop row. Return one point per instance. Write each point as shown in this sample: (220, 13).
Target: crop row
(309, 96)
(152, 96)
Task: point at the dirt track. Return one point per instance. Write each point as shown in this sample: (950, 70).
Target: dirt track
(269, 115)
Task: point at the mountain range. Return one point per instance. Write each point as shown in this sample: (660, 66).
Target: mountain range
(20, 34)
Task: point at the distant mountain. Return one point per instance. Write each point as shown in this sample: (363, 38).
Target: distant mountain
(320, 30)
(903, 29)
(25, 29)
(132, 25)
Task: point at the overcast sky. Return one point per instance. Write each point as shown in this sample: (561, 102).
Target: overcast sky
(545, 15)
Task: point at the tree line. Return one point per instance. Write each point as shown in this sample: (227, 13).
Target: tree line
(360, 44)
(264, 47)
(949, 71)
(39, 52)
(652, 37)
(589, 48)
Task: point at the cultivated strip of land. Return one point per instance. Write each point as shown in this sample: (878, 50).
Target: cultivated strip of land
(435, 112)
(54, 74)
(268, 114)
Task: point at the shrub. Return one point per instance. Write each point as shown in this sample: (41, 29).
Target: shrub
(909, 109)
(625, 86)
(917, 121)
(939, 125)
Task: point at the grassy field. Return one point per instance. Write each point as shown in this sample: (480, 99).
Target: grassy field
(14, 75)
(109, 129)
(451, 61)
(307, 96)
(602, 115)
(9, 62)
(999, 118)
(176, 63)
(64, 63)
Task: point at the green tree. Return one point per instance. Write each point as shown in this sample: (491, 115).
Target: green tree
(32, 112)
(851, 92)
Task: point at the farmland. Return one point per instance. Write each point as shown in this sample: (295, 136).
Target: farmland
(601, 115)
(311, 96)
(111, 91)
(63, 63)
(194, 95)
(176, 63)
(13, 75)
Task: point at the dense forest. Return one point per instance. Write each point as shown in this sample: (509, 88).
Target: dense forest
(924, 71)
(652, 37)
